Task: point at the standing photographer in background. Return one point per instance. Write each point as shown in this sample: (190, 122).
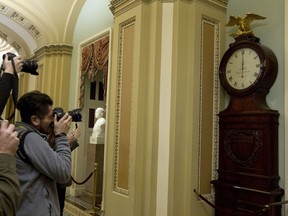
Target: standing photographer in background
(9, 79)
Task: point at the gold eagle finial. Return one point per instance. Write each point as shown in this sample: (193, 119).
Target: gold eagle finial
(243, 24)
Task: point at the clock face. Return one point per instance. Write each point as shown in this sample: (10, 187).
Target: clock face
(247, 67)
(243, 68)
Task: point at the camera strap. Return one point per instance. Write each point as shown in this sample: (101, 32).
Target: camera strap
(21, 151)
(14, 90)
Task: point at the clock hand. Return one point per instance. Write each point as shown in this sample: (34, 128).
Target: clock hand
(242, 65)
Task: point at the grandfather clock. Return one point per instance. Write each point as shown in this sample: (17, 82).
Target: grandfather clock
(248, 140)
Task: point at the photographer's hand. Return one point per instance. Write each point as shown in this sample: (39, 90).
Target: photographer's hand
(63, 125)
(74, 135)
(8, 66)
(9, 141)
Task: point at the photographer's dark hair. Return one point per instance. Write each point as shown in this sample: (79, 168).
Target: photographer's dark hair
(33, 103)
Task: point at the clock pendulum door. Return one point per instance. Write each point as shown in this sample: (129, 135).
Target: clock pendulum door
(248, 133)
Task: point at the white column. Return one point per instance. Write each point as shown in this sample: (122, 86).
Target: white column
(164, 114)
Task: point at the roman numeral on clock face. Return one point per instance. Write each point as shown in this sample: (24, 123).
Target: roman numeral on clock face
(243, 68)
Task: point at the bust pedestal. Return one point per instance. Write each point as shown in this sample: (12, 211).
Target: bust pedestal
(96, 139)
(95, 155)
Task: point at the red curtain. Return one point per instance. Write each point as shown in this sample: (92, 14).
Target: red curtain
(94, 58)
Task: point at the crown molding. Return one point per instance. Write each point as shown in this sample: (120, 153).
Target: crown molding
(54, 49)
(121, 6)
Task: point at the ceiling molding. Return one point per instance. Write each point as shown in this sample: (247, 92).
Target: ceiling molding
(22, 42)
(21, 20)
(33, 24)
(121, 6)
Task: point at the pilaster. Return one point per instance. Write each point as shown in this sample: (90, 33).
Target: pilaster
(163, 103)
(54, 62)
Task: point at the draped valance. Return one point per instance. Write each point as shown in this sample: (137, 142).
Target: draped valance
(94, 58)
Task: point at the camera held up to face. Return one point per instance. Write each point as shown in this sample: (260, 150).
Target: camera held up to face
(75, 114)
(29, 66)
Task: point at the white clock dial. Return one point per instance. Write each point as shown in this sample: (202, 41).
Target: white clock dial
(243, 68)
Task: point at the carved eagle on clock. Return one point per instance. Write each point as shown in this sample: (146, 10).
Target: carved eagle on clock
(243, 24)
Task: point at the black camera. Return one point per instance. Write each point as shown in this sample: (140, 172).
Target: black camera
(75, 114)
(28, 66)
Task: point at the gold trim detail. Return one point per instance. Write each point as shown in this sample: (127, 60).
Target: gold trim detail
(216, 103)
(116, 188)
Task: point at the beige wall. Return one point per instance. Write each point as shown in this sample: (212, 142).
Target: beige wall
(169, 143)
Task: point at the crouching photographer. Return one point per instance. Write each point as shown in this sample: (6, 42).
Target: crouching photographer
(9, 81)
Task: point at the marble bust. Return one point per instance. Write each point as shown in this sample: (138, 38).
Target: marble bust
(98, 134)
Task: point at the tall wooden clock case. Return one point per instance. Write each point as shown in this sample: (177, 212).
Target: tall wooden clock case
(248, 140)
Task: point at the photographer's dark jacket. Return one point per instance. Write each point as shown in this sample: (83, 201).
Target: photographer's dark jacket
(9, 187)
(38, 177)
(6, 83)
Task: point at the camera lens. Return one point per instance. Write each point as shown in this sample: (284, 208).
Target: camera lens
(75, 114)
(28, 66)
